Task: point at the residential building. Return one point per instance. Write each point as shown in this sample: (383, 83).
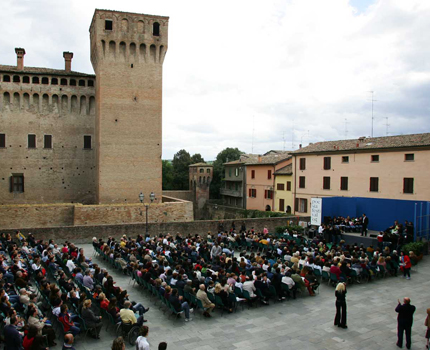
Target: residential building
(255, 179)
(234, 190)
(393, 167)
(283, 189)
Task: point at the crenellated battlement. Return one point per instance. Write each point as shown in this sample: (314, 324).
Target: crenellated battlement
(128, 38)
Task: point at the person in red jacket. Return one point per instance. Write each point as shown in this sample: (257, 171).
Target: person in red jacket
(29, 338)
(68, 324)
(405, 265)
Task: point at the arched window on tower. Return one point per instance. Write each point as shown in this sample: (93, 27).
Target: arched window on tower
(156, 29)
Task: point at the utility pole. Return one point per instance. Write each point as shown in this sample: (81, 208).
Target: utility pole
(371, 134)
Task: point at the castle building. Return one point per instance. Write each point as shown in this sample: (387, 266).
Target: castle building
(70, 137)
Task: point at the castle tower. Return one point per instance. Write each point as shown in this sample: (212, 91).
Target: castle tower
(200, 176)
(127, 54)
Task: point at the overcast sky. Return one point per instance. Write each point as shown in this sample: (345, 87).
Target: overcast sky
(258, 75)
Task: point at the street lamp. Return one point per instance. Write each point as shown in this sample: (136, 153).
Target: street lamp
(151, 198)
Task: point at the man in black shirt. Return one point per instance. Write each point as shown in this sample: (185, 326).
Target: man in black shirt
(404, 321)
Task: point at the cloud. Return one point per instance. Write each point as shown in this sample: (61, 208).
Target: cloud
(259, 75)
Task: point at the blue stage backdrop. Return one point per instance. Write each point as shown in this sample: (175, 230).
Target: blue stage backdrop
(381, 212)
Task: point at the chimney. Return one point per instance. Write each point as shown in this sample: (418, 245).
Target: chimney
(68, 60)
(300, 146)
(20, 52)
(259, 158)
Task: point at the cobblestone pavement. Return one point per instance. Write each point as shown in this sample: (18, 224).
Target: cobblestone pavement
(304, 323)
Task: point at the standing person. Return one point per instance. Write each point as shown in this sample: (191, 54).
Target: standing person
(340, 318)
(405, 265)
(365, 220)
(12, 338)
(162, 346)
(118, 344)
(142, 342)
(404, 321)
(427, 324)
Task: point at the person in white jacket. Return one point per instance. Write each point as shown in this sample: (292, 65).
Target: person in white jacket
(142, 342)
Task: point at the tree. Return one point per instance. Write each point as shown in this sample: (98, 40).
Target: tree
(197, 158)
(181, 162)
(226, 155)
(167, 175)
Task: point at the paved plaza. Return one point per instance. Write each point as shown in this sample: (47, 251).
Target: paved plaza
(304, 323)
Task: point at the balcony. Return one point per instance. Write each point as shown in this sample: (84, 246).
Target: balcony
(232, 193)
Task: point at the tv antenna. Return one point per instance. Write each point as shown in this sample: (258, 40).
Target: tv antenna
(252, 143)
(292, 136)
(283, 139)
(386, 126)
(372, 100)
(346, 128)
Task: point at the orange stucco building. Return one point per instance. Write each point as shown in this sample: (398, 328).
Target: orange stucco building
(394, 167)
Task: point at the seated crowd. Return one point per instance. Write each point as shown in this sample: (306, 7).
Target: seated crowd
(40, 279)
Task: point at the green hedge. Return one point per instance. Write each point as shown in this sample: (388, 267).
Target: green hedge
(290, 228)
(417, 247)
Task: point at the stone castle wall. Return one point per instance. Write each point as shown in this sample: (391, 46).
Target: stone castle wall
(46, 104)
(56, 215)
(84, 234)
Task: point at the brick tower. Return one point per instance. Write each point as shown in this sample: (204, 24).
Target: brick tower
(127, 54)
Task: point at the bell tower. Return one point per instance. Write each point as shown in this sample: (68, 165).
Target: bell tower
(127, 54)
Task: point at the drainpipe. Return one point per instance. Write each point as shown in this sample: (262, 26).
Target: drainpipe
(295, 185)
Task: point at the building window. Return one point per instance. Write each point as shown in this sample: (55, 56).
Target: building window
(281, 204)
(326, 182)
(26, 79)
(35, 80)
(156, 29)
(17, 183)
(6, 78)
(2, 140)
(268, 194)
(288, 185)
(252, 193)
(345, 159)
(108, 24)
(269, 174)
(409, 157)
(31, 141)
(54, 81)
(236, 172)
(87, 142)
(301, 205)
(302, 181)
(90, 83)
(16, 79)
(202, 171)
(81, 82)
(63, 82)
(374, 184)
(375, 157)
(344, 184)
(280, 187)
(252, 174)
(45, 81)
(72, 82)
(236, 186)
(229, 172)
(208, 171)
(302, 165)
(47, 141)
(327, 163)
(408, 185)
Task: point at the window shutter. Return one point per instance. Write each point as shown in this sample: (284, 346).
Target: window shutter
(296, 204)
(250, 193)
(22, 182)
(305, 206)
(11, 184)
